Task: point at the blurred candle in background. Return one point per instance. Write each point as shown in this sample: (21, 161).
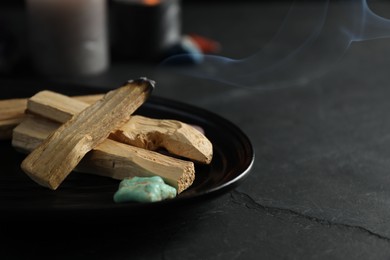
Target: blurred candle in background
(145, 29)
(68, 37)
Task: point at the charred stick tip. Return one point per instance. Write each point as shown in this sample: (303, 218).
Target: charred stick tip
(143, 80)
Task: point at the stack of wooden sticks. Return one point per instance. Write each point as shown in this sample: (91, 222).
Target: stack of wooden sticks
(99, 134)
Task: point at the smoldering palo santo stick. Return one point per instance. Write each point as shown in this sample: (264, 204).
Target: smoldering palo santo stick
(52, 161)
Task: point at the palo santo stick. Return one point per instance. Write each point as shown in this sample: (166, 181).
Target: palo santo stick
(176, 137)
(110, 158)
(51, 162)
(12, 108)
(6, 127)
(55, 106)
(118, 161)
(12, 112)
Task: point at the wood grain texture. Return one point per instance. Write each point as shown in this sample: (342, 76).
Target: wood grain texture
(13, 112)
(178, 138)
(51, 162)
(110, 158)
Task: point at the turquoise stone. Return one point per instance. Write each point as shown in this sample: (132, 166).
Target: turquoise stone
(144, 189)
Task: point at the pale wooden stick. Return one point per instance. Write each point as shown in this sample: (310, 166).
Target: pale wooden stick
(12, 112)
(51, 162)
(54, 106)
(6, 127)
(12, 108)
(110, 158)
(176, 137)
(118, 160)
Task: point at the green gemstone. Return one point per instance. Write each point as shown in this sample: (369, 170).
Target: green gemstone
(144, 189)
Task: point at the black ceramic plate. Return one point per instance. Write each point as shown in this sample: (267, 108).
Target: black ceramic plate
(84, 194)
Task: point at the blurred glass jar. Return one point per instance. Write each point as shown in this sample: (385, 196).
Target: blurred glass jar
(68, 37)
(145, 29)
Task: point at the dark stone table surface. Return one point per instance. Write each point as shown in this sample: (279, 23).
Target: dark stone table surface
(310, 86)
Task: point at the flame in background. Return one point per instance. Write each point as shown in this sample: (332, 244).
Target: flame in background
(151, 2)
(329, 29)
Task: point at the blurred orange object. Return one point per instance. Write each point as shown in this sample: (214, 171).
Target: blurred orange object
(206, 45)
(151, 2)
